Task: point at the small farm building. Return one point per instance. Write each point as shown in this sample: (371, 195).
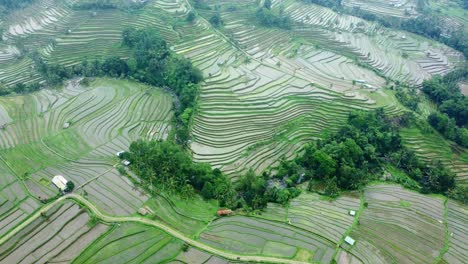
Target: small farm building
(60, 182)
(125, 162)
(143, 211)
(224, 212)
(119, 153)
(352, 212)
(349, 240)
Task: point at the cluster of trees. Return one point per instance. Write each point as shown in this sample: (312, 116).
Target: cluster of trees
(20, 88)
(448, 128)
(445, 92)
(270, 18)
(356, 154)
(452, 104)
(216, 20)
(345, 160)
(154, 63)
(70, 186)
(334, 4)
(106, 4)
(8, 5)
(151, 62)
(201, 4)
(408, 97)
(165, 165)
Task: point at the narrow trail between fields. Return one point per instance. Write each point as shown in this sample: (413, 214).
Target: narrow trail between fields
(121, 219)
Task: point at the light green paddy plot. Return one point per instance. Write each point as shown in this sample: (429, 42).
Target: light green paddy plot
(131, 243)
(188, 215)
(254, 236)
(75, 131)
(50, 127)
(432, 146)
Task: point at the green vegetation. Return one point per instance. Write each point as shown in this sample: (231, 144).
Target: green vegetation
(165, 165)
(409, 98)
(334, 4)
(355, 155)
(281, 129)
(216, 20)
(445, 92)
(270, 18)
(429, 24)
(8, 5)
(70, 186)
(453, 105)
(152, 62)
(128, 242)
(106, 4)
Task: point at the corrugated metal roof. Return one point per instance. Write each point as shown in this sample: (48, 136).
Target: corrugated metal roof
(349, 240)
(60, 182)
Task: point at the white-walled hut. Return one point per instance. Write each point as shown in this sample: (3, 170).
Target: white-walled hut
(349, 240)
(60, 182)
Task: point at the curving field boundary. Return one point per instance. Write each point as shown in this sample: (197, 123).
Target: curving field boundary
(112, 219)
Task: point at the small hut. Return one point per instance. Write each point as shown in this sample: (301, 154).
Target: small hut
(349, 240)
(224, 212)
(60, 182)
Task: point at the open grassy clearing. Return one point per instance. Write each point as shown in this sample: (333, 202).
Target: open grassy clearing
(57, 237)
(103, 119)
(131, 243)
(399, 226)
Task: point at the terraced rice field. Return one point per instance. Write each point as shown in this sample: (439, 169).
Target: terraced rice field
(251, 114)
(103, 119)
(65, 35)
(313, 213)
(131, 243)
(262, 81)
(394, 8)
(457, 226)
(433, 146)
(57, 237)
(379, 47)
(246, 235)
(266, 92)
(260, 101)
(399, 226)
(187, 216)
(15, 202)
(195, 256)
